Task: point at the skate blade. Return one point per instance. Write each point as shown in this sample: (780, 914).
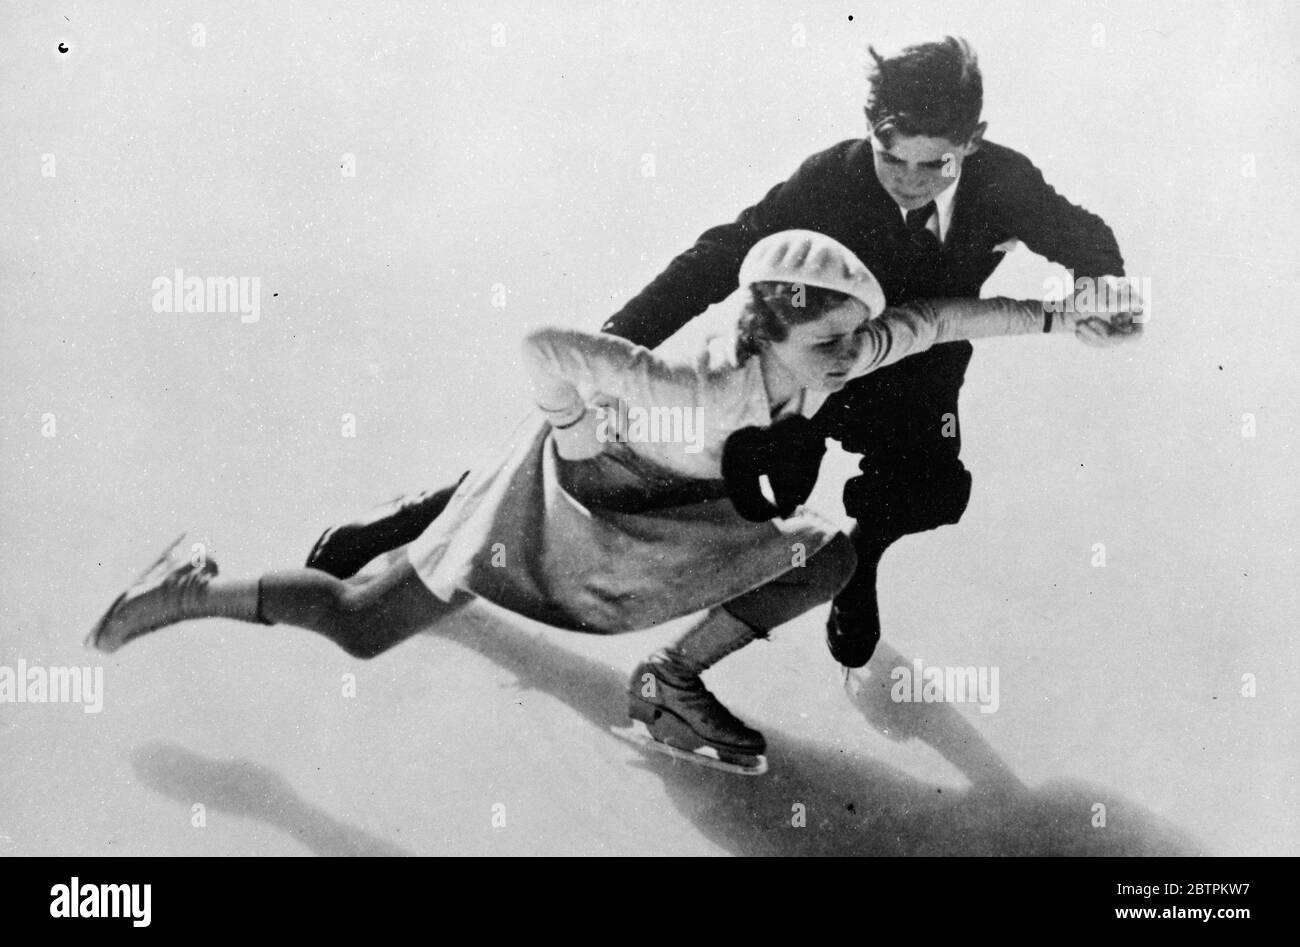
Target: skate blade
(639, 735)
(91, 640)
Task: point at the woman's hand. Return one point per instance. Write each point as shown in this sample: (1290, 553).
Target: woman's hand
(578, 441)
(1119, 320)
(1106, 332)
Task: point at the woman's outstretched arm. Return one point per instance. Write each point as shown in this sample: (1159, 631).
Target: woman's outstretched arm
(912, 328)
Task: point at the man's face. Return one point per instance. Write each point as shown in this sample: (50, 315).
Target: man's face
(916, 168)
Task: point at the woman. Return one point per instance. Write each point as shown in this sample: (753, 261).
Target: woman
(610, 528)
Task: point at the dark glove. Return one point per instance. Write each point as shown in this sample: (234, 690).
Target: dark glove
(789, 453)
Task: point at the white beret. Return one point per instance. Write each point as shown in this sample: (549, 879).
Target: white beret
(813, 259)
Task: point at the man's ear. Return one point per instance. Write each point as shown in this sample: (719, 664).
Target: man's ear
(976, 139)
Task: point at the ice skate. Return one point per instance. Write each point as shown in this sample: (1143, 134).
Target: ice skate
(156, 599)
(853, 628)
(345, 549)
(673, 713)
(852, 638)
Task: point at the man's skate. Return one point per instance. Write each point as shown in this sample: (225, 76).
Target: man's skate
(674, 713)
(345, 549)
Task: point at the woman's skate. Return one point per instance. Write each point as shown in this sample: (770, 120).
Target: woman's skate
(673, 713)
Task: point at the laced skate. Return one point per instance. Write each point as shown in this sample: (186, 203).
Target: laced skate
(674, 713)
(156, 599)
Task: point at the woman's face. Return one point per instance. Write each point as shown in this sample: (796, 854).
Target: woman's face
(821, 354)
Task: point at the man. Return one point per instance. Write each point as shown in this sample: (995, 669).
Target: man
(928, 205)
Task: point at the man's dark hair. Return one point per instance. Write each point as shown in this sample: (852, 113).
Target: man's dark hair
(931, 89)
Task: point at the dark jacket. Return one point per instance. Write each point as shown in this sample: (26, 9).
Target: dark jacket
(1000, 195)
(902, 419)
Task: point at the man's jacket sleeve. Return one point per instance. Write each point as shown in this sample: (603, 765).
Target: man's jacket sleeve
(1051, 226)
(706, 273)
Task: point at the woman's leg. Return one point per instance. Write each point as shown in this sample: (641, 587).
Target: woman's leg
(363, 618)
(667, 693)
(799, 590)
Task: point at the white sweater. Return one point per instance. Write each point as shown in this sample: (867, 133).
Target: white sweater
(680, 413)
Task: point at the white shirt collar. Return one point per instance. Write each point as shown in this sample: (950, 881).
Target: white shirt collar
(943, 204)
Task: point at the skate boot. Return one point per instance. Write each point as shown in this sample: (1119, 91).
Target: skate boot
(345, 549)
(853, 629)
(673, 712)
(164, 594)
(852, 637)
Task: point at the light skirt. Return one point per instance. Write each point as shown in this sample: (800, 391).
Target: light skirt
(515, 536)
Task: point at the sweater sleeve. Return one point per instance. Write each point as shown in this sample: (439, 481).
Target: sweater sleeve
(569, 368)
(912, 328)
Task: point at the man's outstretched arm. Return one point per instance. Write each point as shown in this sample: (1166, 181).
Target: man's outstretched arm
(1055, 228)
(706, 273)
(696, 279)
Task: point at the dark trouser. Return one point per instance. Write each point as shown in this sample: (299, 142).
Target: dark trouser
(903, 421)
(343, 551)
(804, 587)
(414, 514)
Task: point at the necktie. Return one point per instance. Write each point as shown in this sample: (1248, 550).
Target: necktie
(922, 237)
